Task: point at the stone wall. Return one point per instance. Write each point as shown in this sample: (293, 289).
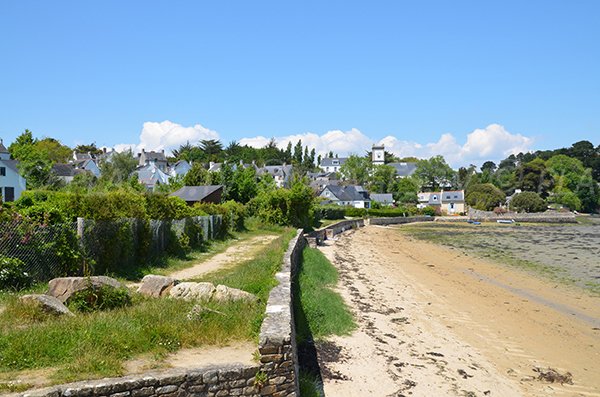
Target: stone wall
(277, 341)
(201, 382)
(276, 375)
(318, 236)
(400, 220)
(541, 217)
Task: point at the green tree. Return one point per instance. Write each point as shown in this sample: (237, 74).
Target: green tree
(434, 172)
(212, 149)
(54, 150)
(406, 190)
(383, 179)
(297, 157)
(91, 148)
(528, 202)
(22, 146)
(534, 177)
(119, 169)
(356, 170)
(243, 185)
(197, 176)
(484, 197)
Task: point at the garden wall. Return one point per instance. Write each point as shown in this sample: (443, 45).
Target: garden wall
(541, 217)
(400, 220)
(276, 375)
(320, 235)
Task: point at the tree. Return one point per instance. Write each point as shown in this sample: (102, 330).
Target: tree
(434, 173)
(91, 148)
(489, 166)
(406, 190)
(197, 176)
(297, 157)
(383, 179)
(54, 150)
(534, 177)
(119, 168)
(356, 170)
(22, 146)
(212, 148)
(528, 202)
(566, 171)
(484, 197)
(243, 185)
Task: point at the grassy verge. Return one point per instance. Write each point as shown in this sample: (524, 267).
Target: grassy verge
(319, 312)
(97, 344)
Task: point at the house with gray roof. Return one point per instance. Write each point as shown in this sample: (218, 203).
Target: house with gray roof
(151, 176)
(355, 196)
(200, 194)
(447, 201)
(332, 164)
(12, 184)
(66, 172)
(180, 168)
(280, 173)
(404, 170)
(158, 158)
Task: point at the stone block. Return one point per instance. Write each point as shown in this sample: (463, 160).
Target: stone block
(156, 286)
(166, 389)
(143, 392)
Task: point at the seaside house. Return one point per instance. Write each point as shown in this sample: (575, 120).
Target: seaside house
(355, 196)
(445, 201)
(384, 199)
(158, 158)
(151, 176)
(280, 173)
(332, 164)
(12, 184)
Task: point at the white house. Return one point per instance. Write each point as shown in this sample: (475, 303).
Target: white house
(332, 164)
(151, 176)
(180, 168)
(448, 201)
(280, 173)
(355, 196)
(12, 184)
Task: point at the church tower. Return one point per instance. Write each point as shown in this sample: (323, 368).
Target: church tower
(378, 155)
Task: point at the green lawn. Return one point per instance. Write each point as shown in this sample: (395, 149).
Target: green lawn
(96, 345)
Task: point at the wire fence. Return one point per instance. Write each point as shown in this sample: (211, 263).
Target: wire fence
(118, 247)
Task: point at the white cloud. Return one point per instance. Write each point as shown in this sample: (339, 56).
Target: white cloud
(493, 142)
(168, 136)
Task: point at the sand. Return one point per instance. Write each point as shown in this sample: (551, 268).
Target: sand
(435, 322)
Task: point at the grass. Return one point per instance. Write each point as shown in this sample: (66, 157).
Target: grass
(319, 310)
(212, 247)
(96, 345)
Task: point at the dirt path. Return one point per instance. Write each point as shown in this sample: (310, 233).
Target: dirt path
(434, 322)
(240, 251)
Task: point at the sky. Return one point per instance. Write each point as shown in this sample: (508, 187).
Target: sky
(469, 80)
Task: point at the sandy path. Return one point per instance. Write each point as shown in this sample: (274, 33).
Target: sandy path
(434, 322)
(243, 250)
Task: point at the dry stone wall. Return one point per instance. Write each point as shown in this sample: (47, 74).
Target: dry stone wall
(539, 217)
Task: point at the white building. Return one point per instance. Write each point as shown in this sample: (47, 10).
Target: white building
(12, 184)
(332, 164)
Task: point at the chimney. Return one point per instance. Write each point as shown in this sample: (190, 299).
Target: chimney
(162, 151)
(143, 150)
(211, 164)
(104, 150)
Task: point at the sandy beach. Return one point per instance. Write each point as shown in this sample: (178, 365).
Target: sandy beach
(433, 321)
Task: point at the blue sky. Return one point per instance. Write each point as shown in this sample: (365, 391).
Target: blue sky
(464, 79)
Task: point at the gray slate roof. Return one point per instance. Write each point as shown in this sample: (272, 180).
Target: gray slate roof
(404, 169)
(3, 148)
(196, 193)
(60, 169)
(348, 193)
(12, 164)
(328, 161)
(276, 170)
(385, 198)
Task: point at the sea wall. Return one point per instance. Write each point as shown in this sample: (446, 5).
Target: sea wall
(400, 220)
(540, 217)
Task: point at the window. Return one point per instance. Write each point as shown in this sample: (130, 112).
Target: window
(455, 196)
(2, 171)
(447, 197)
(335, 162)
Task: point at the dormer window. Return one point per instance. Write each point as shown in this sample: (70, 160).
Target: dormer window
(335, 162)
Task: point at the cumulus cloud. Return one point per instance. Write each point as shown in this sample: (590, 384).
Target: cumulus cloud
(168, 136)
(493, 142)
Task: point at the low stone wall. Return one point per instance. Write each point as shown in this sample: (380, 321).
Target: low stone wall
(277, 340)
(276, 375)
(540, 217)
(318, 236)
(400, 220)
(201, 382)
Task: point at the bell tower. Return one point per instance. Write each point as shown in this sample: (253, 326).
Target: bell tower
(378, 154)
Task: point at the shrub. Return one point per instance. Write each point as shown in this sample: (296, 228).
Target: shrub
(237, 212)
(484, 196)
(355, 212)
(13, 275)
(567, 199)
(286, 207)
(329, 212)
(102, 298)
(429, 211)
(527, 202)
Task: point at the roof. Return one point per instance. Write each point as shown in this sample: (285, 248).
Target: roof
(196, 193)
(347, 193)
(276, 170)
(66, 170)
(3, 148)
(382, 197)
(453, 195)
(153, 156)
(328, 161)
(404, 169)
(12, 164)
(150, 174)
(445, 196)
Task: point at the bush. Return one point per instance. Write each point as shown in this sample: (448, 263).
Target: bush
(237, 212)
(102, 298)
(528, 202)
(429, 211)
(567, 199)
(331, 212)
(285, 207)
(13, 275)
(160, 206)
(355, 212)
(484, 197)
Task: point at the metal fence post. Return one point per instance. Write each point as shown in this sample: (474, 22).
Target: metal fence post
(80, 226)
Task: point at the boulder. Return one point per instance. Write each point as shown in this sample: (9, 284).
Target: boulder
(47, 303)
(193, 291)
(226, 294)
(156, 286)
(62, 288)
